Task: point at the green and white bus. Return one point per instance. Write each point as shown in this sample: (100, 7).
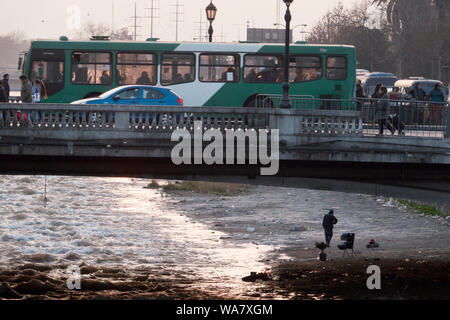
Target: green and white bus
(203, 74)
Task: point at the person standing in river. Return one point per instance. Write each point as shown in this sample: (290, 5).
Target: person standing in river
(329, 220)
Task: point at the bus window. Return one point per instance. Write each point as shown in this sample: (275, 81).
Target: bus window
(136, 68)
(177, 68)
(262, 68)
(336, 68)
(219, 68)
(47, 71)
(305, 68)
(91, 68)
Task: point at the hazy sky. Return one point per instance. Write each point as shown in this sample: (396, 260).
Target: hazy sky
(48, 18)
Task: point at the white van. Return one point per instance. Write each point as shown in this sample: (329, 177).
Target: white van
(404, 86)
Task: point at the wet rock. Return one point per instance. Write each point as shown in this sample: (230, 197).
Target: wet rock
(28, 272)
(8, 272)
(256, 276)
(20, 278)
(34, 287)
(141, 278)
(7, 293)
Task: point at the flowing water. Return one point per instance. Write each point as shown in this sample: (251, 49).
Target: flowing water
(117, 222)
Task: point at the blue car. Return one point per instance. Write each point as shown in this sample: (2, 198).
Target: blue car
(136, 95)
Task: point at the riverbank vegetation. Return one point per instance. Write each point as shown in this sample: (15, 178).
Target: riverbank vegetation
(210, 188)
(426, 209)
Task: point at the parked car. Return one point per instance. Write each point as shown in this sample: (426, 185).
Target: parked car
(137, 95)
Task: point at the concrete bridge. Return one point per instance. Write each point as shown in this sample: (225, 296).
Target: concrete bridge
(319, 149)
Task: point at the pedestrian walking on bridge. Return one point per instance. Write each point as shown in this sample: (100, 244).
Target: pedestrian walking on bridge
(329, 220)
(26, 92)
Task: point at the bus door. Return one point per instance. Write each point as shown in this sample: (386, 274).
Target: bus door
(48, 66)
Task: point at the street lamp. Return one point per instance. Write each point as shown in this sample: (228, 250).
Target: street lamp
(285, 100)
(211, 11)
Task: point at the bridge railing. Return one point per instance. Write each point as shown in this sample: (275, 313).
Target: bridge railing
(141, 119)
(407, 117)
(316, 117)
(404, 117)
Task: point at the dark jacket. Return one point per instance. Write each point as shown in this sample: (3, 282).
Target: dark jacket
(329, 220)
(6, 87)
(3, 97)
(420, 94)
(383, 107)
(26, 92)
(359, 91)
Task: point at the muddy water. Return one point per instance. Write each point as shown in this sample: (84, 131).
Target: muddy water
(112, 222)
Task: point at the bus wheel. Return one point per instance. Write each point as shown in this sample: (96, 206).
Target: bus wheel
(92, 95)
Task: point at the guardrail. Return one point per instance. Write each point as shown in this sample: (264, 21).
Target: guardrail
(403, 117)
(56, 117)
(423, 119)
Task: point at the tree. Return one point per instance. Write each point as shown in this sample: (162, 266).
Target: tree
(420, 39)
(355, 26)
(91, 29)
(11, 45)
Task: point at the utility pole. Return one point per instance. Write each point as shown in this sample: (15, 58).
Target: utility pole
(200, 27)
(177, 18)
(278, 13)
(439, 68)
(135, 17)
(152, 16)
(112, 16)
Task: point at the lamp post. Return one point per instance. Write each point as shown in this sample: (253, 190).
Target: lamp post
(285, 100)
(211, 11)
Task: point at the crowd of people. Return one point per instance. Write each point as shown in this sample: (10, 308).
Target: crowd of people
(411, 108)
(30, 92)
